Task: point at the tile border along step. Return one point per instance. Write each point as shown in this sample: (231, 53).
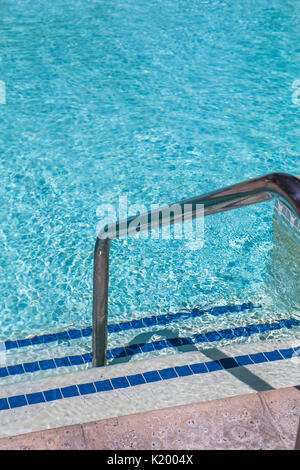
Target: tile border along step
(145, 322)
(52, 363)
(139, 386)
(263, 420)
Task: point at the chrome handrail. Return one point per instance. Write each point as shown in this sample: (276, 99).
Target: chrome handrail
(276, 185)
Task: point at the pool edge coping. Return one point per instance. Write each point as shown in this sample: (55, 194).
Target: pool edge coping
(273, 427)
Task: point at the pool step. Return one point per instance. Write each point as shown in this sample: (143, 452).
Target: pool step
(147, 322)
(70, 350)
(133, 387)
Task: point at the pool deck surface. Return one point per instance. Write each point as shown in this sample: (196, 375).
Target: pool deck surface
(263, 420)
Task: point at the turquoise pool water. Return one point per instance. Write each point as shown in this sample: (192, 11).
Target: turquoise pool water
(159, 101)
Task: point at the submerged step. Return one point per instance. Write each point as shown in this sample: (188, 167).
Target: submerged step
(126, 325)
(140, 348)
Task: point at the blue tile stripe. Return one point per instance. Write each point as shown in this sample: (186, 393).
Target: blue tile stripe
(210, 336)
(127, 325)
(144, 377)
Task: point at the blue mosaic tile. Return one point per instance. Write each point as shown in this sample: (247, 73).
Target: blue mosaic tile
(87, 357)
(227, 334)
(47, 364)
(76, 360)
(16, 401)
(147, 347)
(282, 323)
(252, 329)
(291, 322)
(258, 358)
(86, 389)
(287, 353)
(200, 338)
(148, 321)
(151, 376)
(10, 345)
(162, 319)
(136, 324)
(75, 334)
(273, 356)
(133, 349)
(213, 336)
(3, 372)
(118, 352)
(243, 360)
(120, 382)
(114, 328)
(199, 368)
(126, 326)
(274, 326)
(34, 398)
(168, 373)
(174, 342)
(15, 370)
(244, 306)
(103, 385)
(62, 362)
(24, 342)
(136, 379)
(240, 331)
(4, 404)
(109, 355)
(50, 338)
(31, 367)
(37, 340)
(162, 344)
(233, 308)
(221, 310)
(86, 332)
(70, 391)
(165, 319)
(63, 335)
(213, 366)
(183, 371)
(185, 341)
(263, 327)
(215, 311)
(195, 312)
(228, 363)
(54, 394)
(288, 324)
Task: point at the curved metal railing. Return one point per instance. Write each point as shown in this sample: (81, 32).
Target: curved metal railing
(276, 185)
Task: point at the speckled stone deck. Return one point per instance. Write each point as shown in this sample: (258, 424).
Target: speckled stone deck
(263, 420)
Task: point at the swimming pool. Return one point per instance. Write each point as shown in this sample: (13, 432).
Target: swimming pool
(158, 101)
